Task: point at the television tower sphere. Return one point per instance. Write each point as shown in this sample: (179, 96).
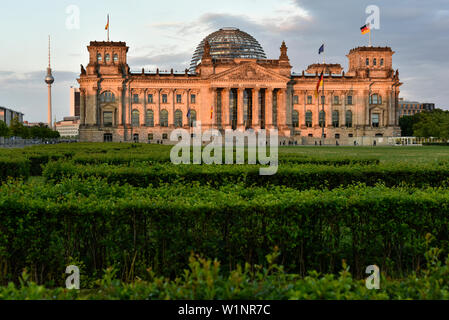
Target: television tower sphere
(49, 78)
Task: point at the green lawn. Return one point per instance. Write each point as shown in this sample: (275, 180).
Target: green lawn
(385, 154)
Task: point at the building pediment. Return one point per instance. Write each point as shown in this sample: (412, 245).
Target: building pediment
(249, 72)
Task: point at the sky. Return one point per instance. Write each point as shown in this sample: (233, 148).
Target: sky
(164, 34)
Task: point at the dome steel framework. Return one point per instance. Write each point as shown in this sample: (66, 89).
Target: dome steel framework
(229, 43)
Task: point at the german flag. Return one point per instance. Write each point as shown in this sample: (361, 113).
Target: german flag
(320, 83)
(365, 29)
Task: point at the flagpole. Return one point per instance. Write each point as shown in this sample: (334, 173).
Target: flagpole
(370, 38)
(322, 131)
(108, 27)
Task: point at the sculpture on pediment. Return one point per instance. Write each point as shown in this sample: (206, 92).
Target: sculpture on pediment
(83, 71)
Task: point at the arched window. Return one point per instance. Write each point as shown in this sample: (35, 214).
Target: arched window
(367, 61)
(164, 118)
(115, 57)
(135, 118)
(374, 62)
(349, 119)
(99, 58)
(150, 118)
(192, 120)
(382, 62)
(322, 119)
(107, 137)
(309, 119)
(335, 119)
(178, 118)
(295, 119)
(375, 99)
(107, 96)
(107, 57)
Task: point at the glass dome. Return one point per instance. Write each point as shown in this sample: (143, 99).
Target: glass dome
(229, 43)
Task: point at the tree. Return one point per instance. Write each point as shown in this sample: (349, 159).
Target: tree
(406, 123)
(4, 130)
(432, 124)
(18, 129)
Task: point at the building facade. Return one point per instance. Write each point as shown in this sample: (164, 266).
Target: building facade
(7, 115)
(69, 127)
(234, 86)
(75, 102)
(410, 108)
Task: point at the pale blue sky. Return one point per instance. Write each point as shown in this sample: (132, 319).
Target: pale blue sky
(165, 33)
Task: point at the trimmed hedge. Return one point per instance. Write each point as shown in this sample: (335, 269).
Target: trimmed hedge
(95, 225)
(205, 280)
(14, 168)
(301, 177)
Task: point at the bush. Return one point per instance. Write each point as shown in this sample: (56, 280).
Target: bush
(301, 177)
(16, 167)
(136, 228)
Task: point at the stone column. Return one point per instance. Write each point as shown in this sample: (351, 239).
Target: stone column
(171, 113)
(127, 106)
(269, 109)
(302, 120)
(157, 110)
(282, 110)
(82, 107)
(256, 107)
(225, 109)
(343, 122)
(240, 117)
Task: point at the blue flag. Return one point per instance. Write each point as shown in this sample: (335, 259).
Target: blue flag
(321, 49)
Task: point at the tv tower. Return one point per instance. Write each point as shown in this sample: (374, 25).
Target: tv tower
(49, 81)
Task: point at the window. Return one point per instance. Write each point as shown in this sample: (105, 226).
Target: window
(336, 100)
(295, 119)
(164, 136)
(107, 97)
(367, 61)
(107, 57)
(193, 98)
(337, 136)
(335, 119)
(178, 118)
(309, 99)
(107, 137)
(295, 100)
(164, 118)
(351, 135)
(136, 137)
(374, 62)
(322, 119)
(164, 98)
(99, 58)
(323, 99)
(375, 120)
(376, 99)
(107, 119)
(115, 57)
(150, 137)
(150, 118)
(381, 62)
(310, 135)
(192, 118)
(349, 119)
(135, 118)
(349, 100)
(178, 98)
(136, 98)
(150, 98)
(309, 119)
